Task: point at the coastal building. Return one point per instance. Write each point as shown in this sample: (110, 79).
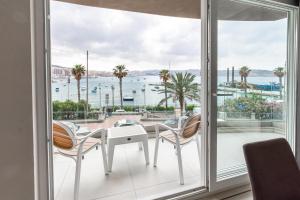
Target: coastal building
(60, 72)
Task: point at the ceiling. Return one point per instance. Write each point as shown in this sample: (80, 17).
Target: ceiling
(228, 10)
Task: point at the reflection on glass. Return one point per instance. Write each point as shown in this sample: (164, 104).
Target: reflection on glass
(252, 49)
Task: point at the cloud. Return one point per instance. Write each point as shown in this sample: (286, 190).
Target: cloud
(144, 41)
(141, 41)
(255, 44)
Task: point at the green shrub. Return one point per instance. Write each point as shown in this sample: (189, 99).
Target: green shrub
(252, 104)
(63, 110)
(160, 108)
(190, 107)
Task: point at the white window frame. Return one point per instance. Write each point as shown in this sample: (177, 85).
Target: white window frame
(237, 175)
(41, 95)
(42, 106)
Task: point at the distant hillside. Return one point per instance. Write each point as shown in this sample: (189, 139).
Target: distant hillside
(155, 72)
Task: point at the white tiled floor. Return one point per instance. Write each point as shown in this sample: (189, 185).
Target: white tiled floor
(132, 179)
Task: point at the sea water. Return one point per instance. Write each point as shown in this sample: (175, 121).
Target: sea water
(133, 86)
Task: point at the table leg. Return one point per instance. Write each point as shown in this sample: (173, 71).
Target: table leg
(146, 151)
(111, 149)
(140, 146)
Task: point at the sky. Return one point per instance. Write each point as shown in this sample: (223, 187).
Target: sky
(145, 42)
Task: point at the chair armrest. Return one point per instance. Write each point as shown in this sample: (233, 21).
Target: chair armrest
(84, 138)
(157, 126)
(180, 119)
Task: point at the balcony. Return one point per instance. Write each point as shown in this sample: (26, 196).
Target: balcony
(131, 178)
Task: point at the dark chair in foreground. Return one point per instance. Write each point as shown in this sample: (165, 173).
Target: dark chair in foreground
(273, 171)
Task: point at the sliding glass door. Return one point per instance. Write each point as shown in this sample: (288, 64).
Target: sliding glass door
(247, 88)
(251, 73)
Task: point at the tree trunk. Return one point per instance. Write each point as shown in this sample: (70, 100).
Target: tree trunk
(280, 87)
(113, 99)
(241, 78)
(121, 93)
(166, 96)
(245, 79)
(181, 102)
(78, 90)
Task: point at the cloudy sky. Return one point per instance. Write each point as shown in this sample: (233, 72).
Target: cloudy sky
(143, 41)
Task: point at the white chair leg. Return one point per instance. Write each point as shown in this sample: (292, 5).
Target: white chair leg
(104, 157)
(156, 147)
(146, 151)
(198, 147)
(77, 177)
(180, 164)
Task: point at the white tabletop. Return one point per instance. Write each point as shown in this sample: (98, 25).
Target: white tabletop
(125, 131)
(83, 131)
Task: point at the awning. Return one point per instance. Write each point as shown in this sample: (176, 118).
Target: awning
(187, 8)
(176, 8)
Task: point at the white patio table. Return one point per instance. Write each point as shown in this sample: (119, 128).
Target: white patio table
(126, 135)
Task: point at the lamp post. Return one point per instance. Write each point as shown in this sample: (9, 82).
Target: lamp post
(113, 96)
(144, 91)
(106, 99)
(69, 81)
(87, 84)
(100, 101)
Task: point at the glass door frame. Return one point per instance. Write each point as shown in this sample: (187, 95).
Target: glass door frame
(208, 43)
(209, 72)
(200, 190)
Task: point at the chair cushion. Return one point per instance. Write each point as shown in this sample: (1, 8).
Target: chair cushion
(88, 145)
(169, 136)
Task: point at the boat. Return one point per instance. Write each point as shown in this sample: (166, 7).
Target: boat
(83, 88)
(57, 89)
(128, 98)
(268, 87)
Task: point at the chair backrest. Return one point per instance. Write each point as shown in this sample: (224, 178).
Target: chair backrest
(191, 126)
(63, 137)
(273, 171)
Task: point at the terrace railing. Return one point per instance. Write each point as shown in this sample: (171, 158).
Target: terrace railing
(76, 115)
(250, 116)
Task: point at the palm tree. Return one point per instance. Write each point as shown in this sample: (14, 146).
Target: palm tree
(279, 72)
(78, 71)
(120, 72)
(244, 73)
(165, 77)
(182, 87)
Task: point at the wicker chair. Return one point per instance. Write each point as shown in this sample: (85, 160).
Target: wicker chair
(179, 137)
(70, 145)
